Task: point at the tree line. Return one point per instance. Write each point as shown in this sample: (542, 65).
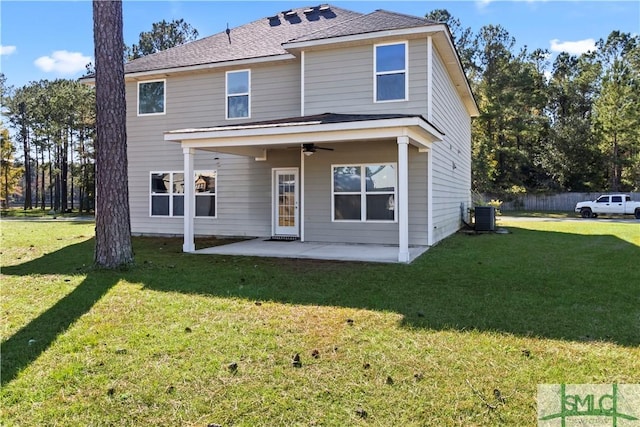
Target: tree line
(54, 124)
(570, 125)
(54, 127)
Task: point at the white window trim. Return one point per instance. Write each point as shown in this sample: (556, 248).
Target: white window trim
(363, 194)
(376, 74)
(226, 94)
(171, 194)
(164, 100)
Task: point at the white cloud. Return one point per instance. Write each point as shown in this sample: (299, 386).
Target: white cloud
(481, 4)
(63, 62)
(7, 50)
(574, 48)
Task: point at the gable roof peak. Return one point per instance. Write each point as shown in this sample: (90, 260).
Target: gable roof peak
(378, 20)
(261, 38)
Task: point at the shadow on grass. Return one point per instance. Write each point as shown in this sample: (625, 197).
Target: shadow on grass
(24, 347)
(528, 283)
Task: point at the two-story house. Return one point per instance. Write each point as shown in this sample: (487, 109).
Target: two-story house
(319, 124)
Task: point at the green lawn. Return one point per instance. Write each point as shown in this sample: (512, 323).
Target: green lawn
(192, 340)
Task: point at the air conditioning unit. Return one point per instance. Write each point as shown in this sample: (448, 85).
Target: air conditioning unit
(485, 218)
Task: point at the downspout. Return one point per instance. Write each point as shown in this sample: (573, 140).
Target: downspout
(430, 226)
(302, 84)
(302, 156)
(301, 210)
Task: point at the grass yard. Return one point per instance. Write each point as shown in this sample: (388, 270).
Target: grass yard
(460, 337)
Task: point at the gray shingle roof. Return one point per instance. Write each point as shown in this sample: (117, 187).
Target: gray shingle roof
(380, 20)
(325, 118)
(261, 38)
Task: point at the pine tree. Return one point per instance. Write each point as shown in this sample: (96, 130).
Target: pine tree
(113, 228)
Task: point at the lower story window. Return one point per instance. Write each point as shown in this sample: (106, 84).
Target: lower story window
(167, 193)
(205, 190)
(364, 192)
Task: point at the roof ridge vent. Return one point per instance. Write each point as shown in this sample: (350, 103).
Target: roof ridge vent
(274, 21)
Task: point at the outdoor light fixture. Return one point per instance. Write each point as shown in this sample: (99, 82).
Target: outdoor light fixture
(309, 148)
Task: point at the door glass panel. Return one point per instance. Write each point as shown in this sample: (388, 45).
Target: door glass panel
(286, 200)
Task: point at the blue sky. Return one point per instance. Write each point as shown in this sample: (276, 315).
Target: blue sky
(54, 39)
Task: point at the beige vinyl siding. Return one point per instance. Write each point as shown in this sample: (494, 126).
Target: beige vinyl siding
(451, 186)
(341, 81)
(318, 223)
(338, 81)
(418, 224)
(198, 100)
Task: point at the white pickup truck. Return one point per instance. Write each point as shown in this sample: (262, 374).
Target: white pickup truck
(611, 204)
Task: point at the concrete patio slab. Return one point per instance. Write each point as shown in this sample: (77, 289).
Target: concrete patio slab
(263, 247)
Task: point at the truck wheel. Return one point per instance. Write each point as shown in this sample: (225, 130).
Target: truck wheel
(586, 213)
(637, 213)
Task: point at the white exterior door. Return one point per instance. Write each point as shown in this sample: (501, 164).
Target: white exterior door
(285, 202)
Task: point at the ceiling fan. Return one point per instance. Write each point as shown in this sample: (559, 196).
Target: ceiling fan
(309, 149)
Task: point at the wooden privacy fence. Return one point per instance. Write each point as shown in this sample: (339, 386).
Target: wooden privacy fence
(549, 202)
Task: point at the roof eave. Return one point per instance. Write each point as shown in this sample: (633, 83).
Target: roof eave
(138, 75)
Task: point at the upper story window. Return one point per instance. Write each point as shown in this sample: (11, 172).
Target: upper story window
(390, 72)
(151, 97)
(238, 94)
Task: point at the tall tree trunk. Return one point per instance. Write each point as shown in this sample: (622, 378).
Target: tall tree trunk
(113, 227)
(50, 179)
(64, 171)
(81, 174)
(27, 158)
(71, 175)
(42, 186)
(56, 151)
(36, 185)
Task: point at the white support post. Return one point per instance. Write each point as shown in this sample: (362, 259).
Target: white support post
(189, 201)
(403, 199)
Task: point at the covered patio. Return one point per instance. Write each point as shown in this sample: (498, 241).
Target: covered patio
(265, 247)
(258, 139)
